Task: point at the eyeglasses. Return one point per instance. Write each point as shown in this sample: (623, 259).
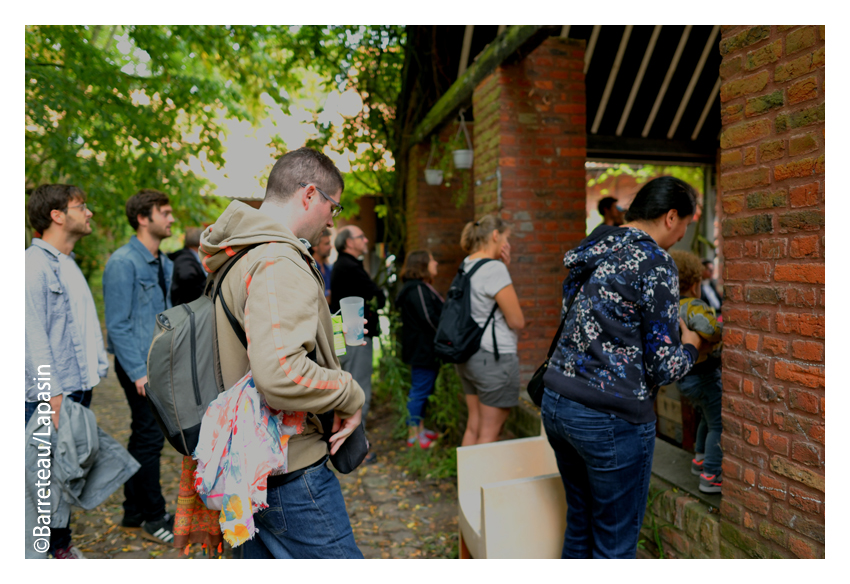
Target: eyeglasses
(81, 206)
(337, 208)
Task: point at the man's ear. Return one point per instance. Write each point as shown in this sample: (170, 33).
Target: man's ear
(306, 197)
(57, 216)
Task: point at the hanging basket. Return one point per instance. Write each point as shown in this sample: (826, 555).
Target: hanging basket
(463, 158)
(433, 176)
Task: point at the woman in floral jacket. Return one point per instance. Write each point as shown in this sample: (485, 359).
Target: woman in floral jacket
(620, 343)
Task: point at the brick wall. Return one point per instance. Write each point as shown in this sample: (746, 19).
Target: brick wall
(530, 127)
(434, 218)
(685, 526)
(772, 216)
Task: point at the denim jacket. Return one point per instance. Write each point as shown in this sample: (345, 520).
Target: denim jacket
(51, 335)
(133, 298)
(79, 464)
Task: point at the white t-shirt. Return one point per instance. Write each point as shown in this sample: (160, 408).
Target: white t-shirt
(488, 281)
(85, 314)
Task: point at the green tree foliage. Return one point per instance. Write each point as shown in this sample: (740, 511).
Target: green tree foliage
(116, 109)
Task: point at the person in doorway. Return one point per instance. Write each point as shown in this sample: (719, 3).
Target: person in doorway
(490, 378)
(702, 385)
(621, 341)
(137, 287)
(62, 330)
(420, 306)
(612, 213)
(708, 287)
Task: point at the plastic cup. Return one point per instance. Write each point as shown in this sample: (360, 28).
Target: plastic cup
(352, 317)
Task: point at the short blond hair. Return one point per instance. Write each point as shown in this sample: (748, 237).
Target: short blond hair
(690, 269)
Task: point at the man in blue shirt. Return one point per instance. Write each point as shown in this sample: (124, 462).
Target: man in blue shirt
(65, 357)
(136, 287)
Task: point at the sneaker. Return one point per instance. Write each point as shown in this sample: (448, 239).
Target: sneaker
(131, 521)
(424, 441)
(69, 553)
(161, 531)
(710, 483)
(696, 466)
(430, 434)
(371, 458)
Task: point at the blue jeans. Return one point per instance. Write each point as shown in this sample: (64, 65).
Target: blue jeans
(605, 464)
(421, 387)
(705, 392)
(306, 518)
(60, 537)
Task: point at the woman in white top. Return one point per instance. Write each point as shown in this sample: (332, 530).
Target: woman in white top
(490, 379)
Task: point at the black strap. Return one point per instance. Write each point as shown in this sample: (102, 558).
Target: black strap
(424, 308)
(234, 324)
(564, 317)
(495, 304)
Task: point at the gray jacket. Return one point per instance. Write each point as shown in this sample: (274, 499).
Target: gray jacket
(51, 335)
(78, 464)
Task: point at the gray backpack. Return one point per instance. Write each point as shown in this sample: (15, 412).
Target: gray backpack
(182, 371)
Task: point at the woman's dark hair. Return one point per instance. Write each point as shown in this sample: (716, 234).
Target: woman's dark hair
(416, 266)
(660, 195)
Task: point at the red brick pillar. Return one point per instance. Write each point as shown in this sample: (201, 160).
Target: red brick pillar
(772, 197)
(530, 149)
(436, 215)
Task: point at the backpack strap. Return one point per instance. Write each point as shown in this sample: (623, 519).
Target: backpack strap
(234, 324)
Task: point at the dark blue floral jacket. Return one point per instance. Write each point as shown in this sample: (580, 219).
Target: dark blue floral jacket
(620, 340)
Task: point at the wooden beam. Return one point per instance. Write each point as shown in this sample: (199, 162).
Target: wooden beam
(694, 78)
(706, 109)
(591, 46)
(502, 47)
(464, 52)
(672, 69)
(612, 77)
(646, 56)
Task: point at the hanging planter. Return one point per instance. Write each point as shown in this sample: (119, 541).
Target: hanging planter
(433, 176)
(463, 158)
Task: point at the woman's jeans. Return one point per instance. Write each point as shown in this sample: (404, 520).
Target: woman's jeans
(422, 386)
(705, 392)
(605, 464)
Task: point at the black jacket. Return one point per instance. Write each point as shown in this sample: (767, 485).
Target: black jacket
(349, 278)
(418, 305)
(188, 281)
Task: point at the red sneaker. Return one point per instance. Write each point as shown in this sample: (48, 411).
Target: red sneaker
(430, 434)
(425, 442)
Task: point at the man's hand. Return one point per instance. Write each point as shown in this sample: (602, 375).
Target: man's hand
(342, 429)
(56, 405)
(690, 337)
(140, 385)
(505, 253)
(365, 331)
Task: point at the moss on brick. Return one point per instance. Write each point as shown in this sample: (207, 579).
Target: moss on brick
(767, 200)
(800, 119)
(762, 104)
(764, 55)
(800, 39)
(744, 39)
(748, 225)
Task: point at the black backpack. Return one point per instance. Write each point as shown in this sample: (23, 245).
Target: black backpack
(458, 336)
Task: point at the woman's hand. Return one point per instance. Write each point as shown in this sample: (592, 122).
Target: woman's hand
(505, 253)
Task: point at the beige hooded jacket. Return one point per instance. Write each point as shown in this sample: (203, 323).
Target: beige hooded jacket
(279, 299)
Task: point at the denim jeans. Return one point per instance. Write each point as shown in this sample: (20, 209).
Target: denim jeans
(306, 518)
(421, 387)
(143, 500)
(705, 392)
(60, 537)
(605, 464)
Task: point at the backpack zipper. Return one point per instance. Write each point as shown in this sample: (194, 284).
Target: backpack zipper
(192, 345)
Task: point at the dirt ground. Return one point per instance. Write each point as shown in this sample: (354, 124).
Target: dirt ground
(392, 514)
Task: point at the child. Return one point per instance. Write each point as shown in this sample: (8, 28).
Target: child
(702, 384)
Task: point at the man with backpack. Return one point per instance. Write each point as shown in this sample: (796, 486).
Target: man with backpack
(275, 293)
(136, 287)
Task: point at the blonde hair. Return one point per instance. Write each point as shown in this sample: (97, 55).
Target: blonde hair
(690, 269)
(476, 233)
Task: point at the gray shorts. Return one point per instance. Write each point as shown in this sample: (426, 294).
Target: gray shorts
(496, 383)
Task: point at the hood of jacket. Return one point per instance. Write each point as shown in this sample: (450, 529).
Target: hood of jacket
(238, 226)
